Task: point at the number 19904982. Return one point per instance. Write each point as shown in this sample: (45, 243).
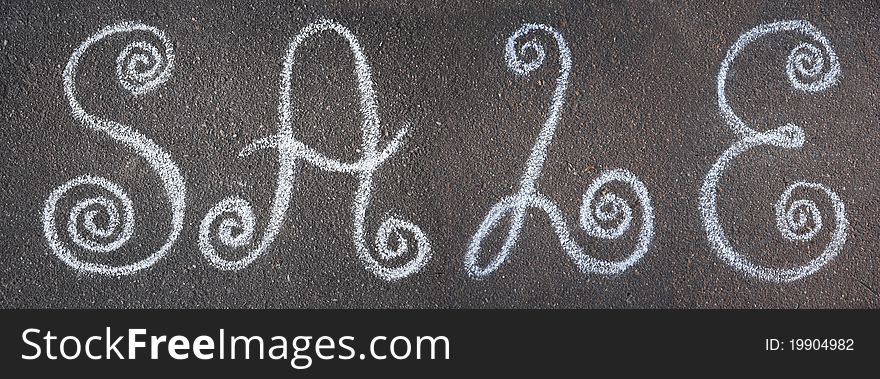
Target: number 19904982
(811, 344)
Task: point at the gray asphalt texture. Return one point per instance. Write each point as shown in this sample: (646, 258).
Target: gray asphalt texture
(641, 97)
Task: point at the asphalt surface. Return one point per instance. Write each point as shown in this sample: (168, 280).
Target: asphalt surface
(641, 97)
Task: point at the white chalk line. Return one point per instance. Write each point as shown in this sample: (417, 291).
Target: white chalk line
(804, 61)
(795, 67)
(609, 206)
(140, 68)
(290, 151)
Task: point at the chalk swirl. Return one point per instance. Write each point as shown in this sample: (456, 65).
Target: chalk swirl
(793, 218)
(609, 208)
(806, 61)
(406, 235)
(606, 216)
(516, 56)
(236, 230)
(141, 67)
(810, 67)
(395, 237)
(101, 236)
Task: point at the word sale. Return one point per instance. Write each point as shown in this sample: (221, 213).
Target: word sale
(105, 222)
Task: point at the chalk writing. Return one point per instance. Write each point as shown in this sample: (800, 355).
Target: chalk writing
(800, 220)
(105, 222)
(140, 68)
(238, 228)
(609, 207)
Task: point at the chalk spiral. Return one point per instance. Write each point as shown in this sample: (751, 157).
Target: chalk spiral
(811, 67)
(140, 68)
(236, 230)
(516, 56)
(609, 208)
(801, 220)
(807, 61)
(102, 237)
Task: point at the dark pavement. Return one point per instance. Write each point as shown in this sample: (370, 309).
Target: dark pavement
(641, 96)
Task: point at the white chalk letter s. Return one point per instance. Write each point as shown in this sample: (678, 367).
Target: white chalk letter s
(140, 68)
(595, 212)
(805, 62)
(291, 150)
